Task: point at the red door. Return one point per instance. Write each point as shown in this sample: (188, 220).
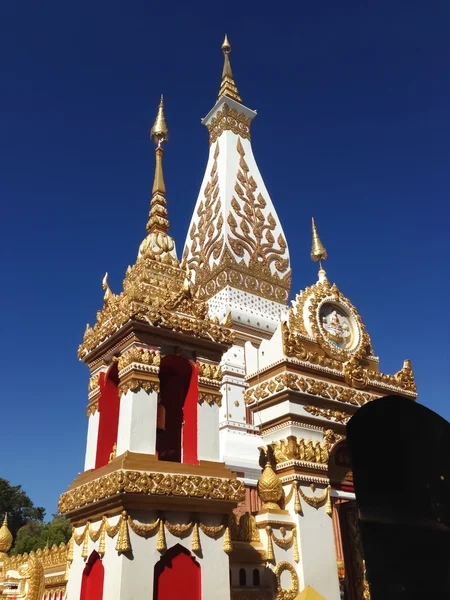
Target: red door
(93, 576)
(177, 575)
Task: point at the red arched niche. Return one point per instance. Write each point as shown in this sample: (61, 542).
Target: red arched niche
(108, 407)
(176, 438)
(93, 577)
(177, 575)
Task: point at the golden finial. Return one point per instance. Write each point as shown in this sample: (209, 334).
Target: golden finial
(228, 87)
(159, 133)
(108, 293)
(270, 488)
(318, 252)
(6, 538)
(158, 212)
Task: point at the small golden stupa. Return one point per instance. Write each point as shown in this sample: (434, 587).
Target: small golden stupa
(6, 538)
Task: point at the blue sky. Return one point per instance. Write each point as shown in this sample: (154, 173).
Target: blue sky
(353, 127)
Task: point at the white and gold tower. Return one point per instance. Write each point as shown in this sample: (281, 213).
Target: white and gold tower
(239, 257)
(151, 510)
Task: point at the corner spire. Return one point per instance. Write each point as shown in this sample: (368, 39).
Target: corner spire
(6, 538)
(228, 87)
(159, 134)
(318, 251)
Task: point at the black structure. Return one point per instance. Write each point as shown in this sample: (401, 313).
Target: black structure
(400, 454)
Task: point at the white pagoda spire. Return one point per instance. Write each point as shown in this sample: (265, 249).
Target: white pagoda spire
(235, 246)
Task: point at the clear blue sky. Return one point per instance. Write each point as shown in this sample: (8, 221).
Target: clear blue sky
(353, 127)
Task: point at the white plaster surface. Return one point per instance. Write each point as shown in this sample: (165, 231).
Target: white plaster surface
(208, 427)
(91, 443)
(137, 422)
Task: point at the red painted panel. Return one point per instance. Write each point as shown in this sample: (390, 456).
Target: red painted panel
(93, 578)
(190, 428)
(108, 407)
(177, 575)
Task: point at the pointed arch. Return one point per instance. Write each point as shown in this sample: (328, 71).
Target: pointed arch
(177, 575)
(109, 408)
(93, 578)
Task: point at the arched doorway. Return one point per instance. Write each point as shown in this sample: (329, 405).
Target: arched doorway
(93, 577)
(177, 575)
(109, 408)
(176, 438)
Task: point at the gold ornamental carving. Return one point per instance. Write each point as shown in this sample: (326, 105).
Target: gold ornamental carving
(313, 451)
(56, 556)
(295, 348)
(328, 413)
(245, 530)
(136, 383)
(318, 501)
(211, 371)
(270, 488)
(405, 377)
(29, 582)
(154, 292)
(355, 374)
(94, 383)
(139, 356)
(298, 383)
(92, 408)
(285, 541)
(250, 258)
(302, 321)
(291, 593)
(155, 484)
(228, 119)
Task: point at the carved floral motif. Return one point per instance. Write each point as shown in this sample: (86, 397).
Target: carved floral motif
(292, 381)
(158, 484)
(250, 258)
(228, 119)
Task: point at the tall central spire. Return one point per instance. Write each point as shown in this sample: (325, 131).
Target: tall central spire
(159, 133)
(228, 87)
(236, 247)
(158, 243)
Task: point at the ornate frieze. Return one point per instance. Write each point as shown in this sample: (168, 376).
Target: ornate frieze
(228, 119)
(56, 556)
(308, 385)
(151, 484)
(328, 413)
(141, 357)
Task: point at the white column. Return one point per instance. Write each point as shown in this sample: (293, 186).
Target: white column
(76, 569)
(91, 444)
(208, 432)
(317, 565)
(137, 422)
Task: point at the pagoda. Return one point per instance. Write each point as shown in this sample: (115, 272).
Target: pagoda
(216, 463)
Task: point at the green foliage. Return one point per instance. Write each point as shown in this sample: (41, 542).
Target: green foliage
(36, 534)
(20, 509)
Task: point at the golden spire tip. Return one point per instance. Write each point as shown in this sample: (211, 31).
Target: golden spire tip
(226, 46)
(159, 133)
(318, 251)
(228, 87)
